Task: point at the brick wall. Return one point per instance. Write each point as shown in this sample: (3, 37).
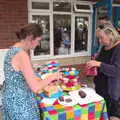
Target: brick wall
(13, 14)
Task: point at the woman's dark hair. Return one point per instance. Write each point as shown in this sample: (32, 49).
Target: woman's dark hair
(29, 29)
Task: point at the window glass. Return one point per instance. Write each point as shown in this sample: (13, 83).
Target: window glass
(62, 6)
(65, 27)
(81, 7)
(81, 33)
(40, 5)
(44, 47)
(116, 17)
(62, 34)
(102, 11)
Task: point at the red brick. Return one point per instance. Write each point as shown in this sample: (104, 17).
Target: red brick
(13, 13)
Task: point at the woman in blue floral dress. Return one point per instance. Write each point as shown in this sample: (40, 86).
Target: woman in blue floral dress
(20, 80)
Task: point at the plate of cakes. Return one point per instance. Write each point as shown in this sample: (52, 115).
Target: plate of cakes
(85, 95)
(50, 94)
(52, 91)
(70, 83)
(67, 100)
(69, 71)
(70, 80)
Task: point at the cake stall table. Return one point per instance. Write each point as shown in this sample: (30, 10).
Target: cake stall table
(92, 111)
(92, 107)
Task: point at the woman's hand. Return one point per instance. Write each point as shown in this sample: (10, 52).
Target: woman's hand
(114, 118)
(93, 63)
(53, 77)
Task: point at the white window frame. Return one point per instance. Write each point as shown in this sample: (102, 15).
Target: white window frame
(83, 3)
(82, 53)
(50, 13)
(40, 10)
(51, 36)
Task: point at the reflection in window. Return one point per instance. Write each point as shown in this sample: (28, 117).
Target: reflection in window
(44, 47)
(102, 11)
(81, 34)
(40, 5)
(80, 7)
(62, 34)
(116, 17)
(62, 6)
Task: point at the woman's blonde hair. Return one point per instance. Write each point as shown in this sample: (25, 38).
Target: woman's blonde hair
(110, 31)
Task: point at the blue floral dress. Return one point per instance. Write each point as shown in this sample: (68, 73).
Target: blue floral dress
(18, 100)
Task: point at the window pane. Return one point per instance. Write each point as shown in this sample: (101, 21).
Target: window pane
(101, 11)
(81, 33)
(83, 7)
(62, 6)
(62, 34)
(44, 47)
(40, 5)
(116, 17)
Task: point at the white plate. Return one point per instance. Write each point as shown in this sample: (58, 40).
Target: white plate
(88, 91)
(71, 103)
(96, 98)
(89, 99)
(48, 100)
(91, 96)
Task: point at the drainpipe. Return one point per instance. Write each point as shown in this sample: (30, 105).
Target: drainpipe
(109, 6)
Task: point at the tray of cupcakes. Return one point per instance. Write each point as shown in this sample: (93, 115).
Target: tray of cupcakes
(70, 80)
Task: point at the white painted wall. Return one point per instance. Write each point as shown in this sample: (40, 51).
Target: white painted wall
(2, 55)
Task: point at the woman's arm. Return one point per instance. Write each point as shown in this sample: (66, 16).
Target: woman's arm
(112, 69)
(34, 82)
